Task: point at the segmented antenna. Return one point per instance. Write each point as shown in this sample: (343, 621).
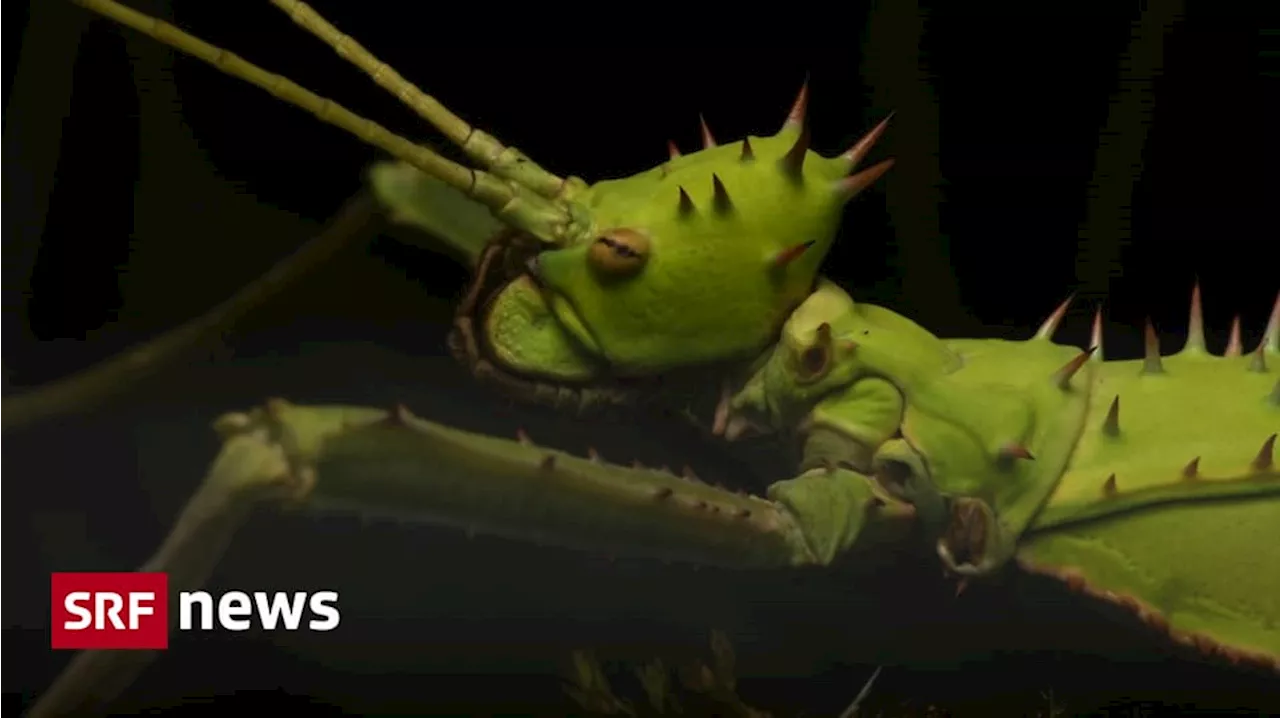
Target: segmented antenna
(483, 149)
(512, 201)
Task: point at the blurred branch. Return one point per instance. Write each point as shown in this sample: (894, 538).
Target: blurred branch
(899, 78)
(86, 389)
(1117, 165)
(38, 101)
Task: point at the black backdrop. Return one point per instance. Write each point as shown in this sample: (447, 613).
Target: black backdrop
(1039, 154)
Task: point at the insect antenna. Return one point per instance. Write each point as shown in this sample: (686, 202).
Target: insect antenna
(482, 148)
(509, 199)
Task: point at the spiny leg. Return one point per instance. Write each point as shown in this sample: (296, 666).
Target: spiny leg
(380, 461)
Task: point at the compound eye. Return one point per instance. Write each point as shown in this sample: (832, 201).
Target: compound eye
(619, 253)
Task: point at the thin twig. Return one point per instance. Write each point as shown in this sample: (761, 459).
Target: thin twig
(38, 102)
(89, 388)
(852, 710)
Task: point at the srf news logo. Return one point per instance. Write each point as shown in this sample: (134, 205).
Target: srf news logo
(131, 611)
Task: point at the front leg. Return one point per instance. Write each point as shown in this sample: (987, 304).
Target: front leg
(250, 469)
(383, 461)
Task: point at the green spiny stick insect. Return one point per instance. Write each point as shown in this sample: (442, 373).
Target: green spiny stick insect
(1025, 456)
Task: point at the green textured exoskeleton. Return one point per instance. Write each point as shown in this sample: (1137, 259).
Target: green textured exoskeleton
(1021, 450)
(695, 284)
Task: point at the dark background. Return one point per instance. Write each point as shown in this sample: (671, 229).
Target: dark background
(1113, 153)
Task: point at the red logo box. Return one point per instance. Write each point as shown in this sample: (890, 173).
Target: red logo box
(110, 610)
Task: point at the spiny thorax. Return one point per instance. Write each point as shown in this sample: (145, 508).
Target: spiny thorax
(1173, 493)
(1198, 426)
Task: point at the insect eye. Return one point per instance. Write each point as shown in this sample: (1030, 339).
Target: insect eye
(619, 253)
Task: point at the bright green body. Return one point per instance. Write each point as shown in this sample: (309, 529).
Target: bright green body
(998, 453)
(1019, 452)
(1108, 501)
(1191, 546)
